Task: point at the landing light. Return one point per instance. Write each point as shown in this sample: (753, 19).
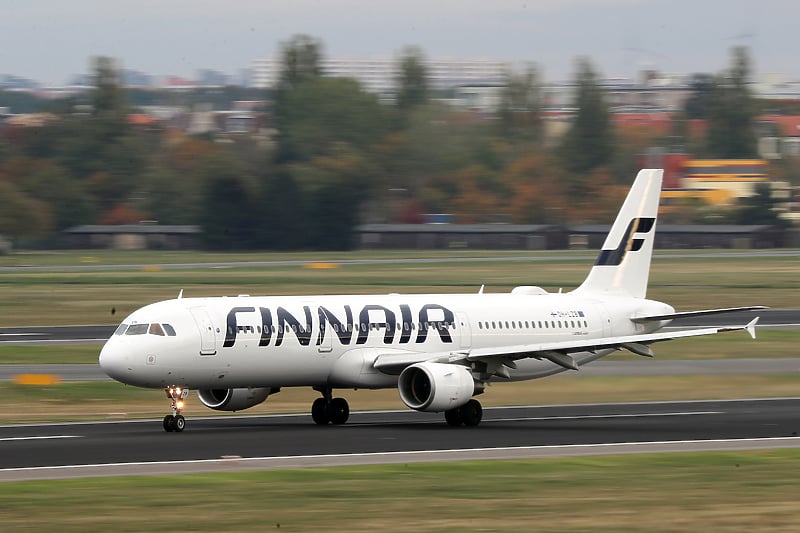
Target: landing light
(179, 404)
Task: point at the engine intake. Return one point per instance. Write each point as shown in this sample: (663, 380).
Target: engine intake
(435, 387)
(233, 399)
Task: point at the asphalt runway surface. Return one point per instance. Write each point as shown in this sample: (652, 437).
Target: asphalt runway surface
(231, 443)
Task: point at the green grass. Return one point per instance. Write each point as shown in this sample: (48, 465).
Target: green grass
(58, 297)
(656, 492)
(55, 354)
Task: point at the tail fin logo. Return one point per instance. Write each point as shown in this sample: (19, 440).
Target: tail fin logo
(628, 243)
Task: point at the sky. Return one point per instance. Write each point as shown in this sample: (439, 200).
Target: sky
(50, 40)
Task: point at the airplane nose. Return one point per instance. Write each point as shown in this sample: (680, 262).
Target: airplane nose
(113, 361)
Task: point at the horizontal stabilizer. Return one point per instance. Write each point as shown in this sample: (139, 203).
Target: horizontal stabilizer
(689, 314)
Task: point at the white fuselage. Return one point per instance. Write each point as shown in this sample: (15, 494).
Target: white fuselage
(333, 341)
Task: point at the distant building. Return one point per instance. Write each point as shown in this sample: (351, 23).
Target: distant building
(132, 237)
(380, 75)
(738, 177)
(461, 236)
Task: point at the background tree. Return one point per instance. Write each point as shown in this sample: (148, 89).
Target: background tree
(759, 209)
(412, 79)
(588, 144)
(520, 111)
(230, 214)
(301, 58)
(701, 94)
(731, 125)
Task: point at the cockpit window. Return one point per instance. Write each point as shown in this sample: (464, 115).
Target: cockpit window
(156, 329)
(169, 329)
(121, 329)
(137, 329)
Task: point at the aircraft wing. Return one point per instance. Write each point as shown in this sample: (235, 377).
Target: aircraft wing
(688, 314)
(557, 352)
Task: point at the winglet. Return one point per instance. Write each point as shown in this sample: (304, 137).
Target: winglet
(751, 327)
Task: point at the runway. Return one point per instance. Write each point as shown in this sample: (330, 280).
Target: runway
(237, 443)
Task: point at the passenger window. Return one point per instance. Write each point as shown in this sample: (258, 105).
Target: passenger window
(121, 329)
(137, 329)
(169, 329)
(156, 329)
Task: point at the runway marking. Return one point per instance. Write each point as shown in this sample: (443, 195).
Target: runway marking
(589, 417)
(547, 418)
(45, 437)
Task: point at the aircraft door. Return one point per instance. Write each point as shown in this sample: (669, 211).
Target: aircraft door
(326, 346)
(465, 332)
(208, 339)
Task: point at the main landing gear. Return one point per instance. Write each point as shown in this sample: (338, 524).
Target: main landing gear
(329, 410)
(469, 414)
(176, 421)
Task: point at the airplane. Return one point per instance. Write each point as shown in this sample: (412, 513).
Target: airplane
(438, 350)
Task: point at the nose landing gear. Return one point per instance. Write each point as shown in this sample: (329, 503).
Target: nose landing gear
(176, 422)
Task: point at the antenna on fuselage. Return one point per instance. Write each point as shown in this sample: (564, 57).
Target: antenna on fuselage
(480, 291)
(180, 294)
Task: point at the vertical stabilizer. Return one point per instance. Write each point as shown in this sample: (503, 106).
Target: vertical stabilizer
(623, 265)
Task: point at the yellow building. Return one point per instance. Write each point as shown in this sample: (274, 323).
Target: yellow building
(731, 179)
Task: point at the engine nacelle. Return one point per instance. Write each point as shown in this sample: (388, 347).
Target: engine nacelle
(233, 399)
(435, 386)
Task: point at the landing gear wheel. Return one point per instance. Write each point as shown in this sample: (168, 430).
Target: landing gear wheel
(471, 413)
(338, 411)
(453, 417)
(176, 422)
(319, 412)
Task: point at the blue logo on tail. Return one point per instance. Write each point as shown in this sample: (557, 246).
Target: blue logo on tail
(628, 243)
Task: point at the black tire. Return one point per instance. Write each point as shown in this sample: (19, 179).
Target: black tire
(338, 411)
(180, 423)
(319, 412)
(453, 417)
(471, 412)
(169, 423)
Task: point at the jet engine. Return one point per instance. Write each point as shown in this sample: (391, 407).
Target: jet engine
(435, 387)
(233, 399)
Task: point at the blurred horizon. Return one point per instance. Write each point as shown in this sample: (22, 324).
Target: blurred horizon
(53, 41)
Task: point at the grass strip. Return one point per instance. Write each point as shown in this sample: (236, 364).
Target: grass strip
(656, 492)
(55, 298)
